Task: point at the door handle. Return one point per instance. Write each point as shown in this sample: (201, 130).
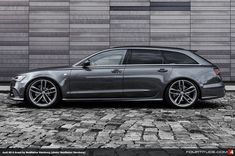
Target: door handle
(116, 71)
(162, 70)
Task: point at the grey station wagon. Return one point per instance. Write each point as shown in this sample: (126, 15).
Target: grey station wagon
(178, 76)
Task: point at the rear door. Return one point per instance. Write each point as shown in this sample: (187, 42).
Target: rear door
(144, 74)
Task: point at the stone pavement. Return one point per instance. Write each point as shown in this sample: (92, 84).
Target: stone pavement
(211, 124)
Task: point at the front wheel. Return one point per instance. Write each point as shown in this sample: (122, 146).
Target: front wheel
(182, 94)
(42, 93)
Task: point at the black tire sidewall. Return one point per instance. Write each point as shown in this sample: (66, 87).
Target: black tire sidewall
(57, 100)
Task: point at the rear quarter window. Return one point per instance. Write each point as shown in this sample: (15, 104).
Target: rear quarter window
(177, 58)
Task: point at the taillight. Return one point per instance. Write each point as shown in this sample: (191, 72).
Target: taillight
(217, 71)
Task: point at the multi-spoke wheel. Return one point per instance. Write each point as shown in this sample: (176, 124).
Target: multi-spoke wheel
(182, 93)
(42, 93)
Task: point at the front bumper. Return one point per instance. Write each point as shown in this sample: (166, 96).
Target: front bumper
(17, 90)
(213, 91)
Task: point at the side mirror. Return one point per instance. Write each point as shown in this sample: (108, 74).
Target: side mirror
(86, 63)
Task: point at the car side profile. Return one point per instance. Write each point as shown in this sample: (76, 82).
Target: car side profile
(134, 73)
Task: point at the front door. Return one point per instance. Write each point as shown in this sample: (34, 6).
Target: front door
(102, 79)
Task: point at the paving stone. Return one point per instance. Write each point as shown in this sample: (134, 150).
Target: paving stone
(80, 145)
(108, 117)
(131, 136)
(151, 130)
(150, 137)
(103, 137)
(88, 137)
(117, 138)
(67, 126)
(96, 145)
(165, 135)
(127, 124)
(81, 130)
(111, 145)
(196, 136)
(137, 127)
(209, 126)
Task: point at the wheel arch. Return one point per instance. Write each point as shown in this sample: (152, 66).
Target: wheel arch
(183, 78)
(43, 77)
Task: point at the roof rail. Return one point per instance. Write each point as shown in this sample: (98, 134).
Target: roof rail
(149, 47)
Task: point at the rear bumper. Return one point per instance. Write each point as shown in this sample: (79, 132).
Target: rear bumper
(213, 91)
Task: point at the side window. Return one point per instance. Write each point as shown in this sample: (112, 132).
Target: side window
(143, 56)
(177, 58)
(114, 57)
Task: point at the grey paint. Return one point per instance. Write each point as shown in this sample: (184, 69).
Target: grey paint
(133, 82)
(33, 32)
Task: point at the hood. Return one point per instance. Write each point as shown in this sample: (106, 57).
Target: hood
(50, 68)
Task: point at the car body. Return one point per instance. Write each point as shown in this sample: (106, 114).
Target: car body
(132, 73)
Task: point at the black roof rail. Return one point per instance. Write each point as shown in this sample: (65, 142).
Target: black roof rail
(149, 47)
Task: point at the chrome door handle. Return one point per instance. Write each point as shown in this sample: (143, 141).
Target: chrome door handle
(116, 71)
(162, 70)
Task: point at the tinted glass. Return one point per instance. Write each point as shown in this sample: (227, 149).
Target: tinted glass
(177, 58)
(114, 57)
(143, 56)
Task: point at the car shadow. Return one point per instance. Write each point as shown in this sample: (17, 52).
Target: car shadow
(129, 104)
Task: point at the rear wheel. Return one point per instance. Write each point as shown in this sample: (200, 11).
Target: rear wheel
(182, 93)
(42, 93)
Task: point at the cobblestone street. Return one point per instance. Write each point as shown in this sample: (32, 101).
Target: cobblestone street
(211, 124)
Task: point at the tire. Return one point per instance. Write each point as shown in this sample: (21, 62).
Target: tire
(182, 93)
(43, 93)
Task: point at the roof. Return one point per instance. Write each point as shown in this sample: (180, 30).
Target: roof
(161, 47)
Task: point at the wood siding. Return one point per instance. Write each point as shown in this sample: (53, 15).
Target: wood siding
(43, 33)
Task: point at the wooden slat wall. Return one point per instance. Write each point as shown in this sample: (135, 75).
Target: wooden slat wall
(129, 22)
(232, 40)
(210, 32)
(170, 28)
(48, 33)
(89, 27)
(42, 33)
(13, 37)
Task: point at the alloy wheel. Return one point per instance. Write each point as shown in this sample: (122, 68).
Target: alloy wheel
(42, 92)
(183, 93)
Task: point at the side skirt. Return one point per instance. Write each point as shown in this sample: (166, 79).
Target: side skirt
(111, 99)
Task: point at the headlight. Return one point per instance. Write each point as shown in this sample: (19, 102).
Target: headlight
(19, 77)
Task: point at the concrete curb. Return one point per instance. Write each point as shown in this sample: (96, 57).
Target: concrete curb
(4, 89)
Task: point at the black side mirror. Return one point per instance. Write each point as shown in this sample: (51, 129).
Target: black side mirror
(86, 63)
